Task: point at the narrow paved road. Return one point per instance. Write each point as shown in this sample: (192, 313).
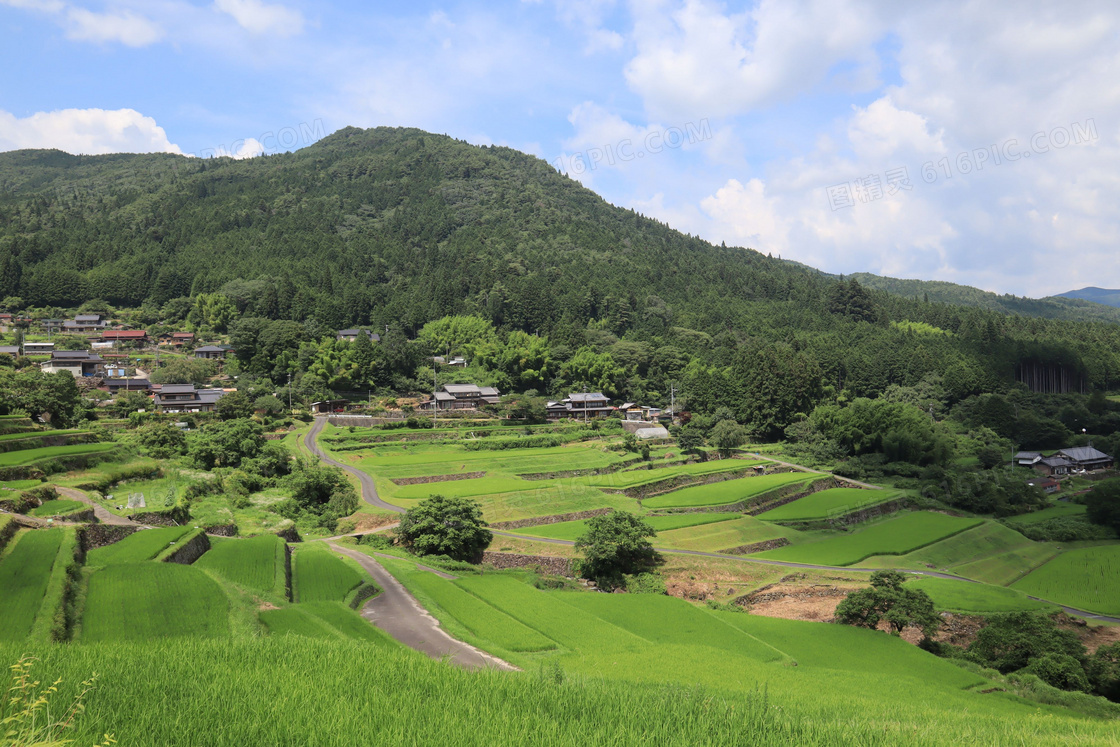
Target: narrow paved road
(369, 489)
(398, 613)
(103, 514)
(371, 497)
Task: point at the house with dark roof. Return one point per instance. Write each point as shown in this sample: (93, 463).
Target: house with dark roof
(176, 339)
(1052, 465)
(85, 323)
(1047, 485)
(580, 405)
(116, 385)
(351, 335)
(124, 335)
(213, 352)
(186, 398)
(37, 348)
(1086, 458)
(77, 362)
(463, 397)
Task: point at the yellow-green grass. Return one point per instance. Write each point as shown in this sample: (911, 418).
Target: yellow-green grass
(570, 530)
(481, 619)
(725, 535)
(329, 620)
(1087, 578)
(142, 601)
(398, 461)
(988, 540)
(20, 484)
(255, 563)
(57, 508)
(633, 478)
(24, 574)
(827, 503)
(31, 456)
(540, 498)
(894, 536)
(318, 575)
(40, 435)
(975, 598)
(1055, 511)
(142, 545)
(471, 488)
(728, 491)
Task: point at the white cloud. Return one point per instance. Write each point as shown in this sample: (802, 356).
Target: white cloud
(261, 18)
(85, 131)
(125, 27)
(695, 60)
(249, 148)
(744, 216)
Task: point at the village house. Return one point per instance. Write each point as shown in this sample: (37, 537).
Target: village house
(351, 335)
(138, 336)
(329, 406)
(37, 348)
(77, 362)
(176, 339)
(12, 350)
(580, 405)
(116, 385)
(186, 398)
(85, 323)
(1047, 485)
(213, 352)
(1086, 458)
(463, 397)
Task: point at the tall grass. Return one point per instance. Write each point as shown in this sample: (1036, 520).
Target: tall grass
(24, 575)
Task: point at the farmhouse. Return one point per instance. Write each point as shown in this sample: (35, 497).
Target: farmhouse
(329, 405)
(1027, 458)
(176, 339)
(463, 397)
(580, 405)
(117, 385)
(186, 398)
(85, 323)
(124, 335)
(77, 362)
(37, 348)
(213, 352)
(1086, 458)
(1052, 465)
(12, 350)
(351, 335)
(1046, 485)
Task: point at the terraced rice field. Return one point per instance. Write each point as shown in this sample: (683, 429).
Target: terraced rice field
(473, 487)
(142, 545)
(56, 508)
(318, 575)
(726, 535)
(255, 563)
(144, 601)
(895, 536)
(828, 503)
(571, 530)
(728, 491)
(30, 456)
(328, 620)
(24, 575)
(632, 478)
(982, 599)
(1056, 511)
(1087, 578)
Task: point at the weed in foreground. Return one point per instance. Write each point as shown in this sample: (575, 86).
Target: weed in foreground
(25, 712)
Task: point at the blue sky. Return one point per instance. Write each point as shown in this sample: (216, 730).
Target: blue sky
(950, 140)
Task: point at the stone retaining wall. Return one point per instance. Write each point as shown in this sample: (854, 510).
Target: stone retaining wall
(436, 478)
(222, 530)
(826, 483)
(670, 484)
(591, 472)
(541, 521)
(172, 517)
(291, 534)
(757, 547)
(81, 516)
(189, 551)
(100, 535)
(365, 591)
(855, 517)
(547, 563)
(7, 532)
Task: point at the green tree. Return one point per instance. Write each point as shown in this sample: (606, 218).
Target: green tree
(689, 439)
(226, 443)
(322, 490)
(269, 404)
(1103, 504)
(1103, 669)
(195, 371)
(213, 310)
(888, 600)
(53, 399)
(1011, 640)
(126, 403)
(727, 435)
(524, 407)
(614, 545)
(162, 440)
(458, 335)
(1059, 670)
(234, 405)
(445, 526)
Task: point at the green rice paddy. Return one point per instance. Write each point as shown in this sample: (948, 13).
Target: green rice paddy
(1087, 578)
(30, 456)
(726, 492)
(318, 575)
(255, 563)
(145, 601)
(57, 508)
(981, 599)
(1056, 511)
(572, 530)
(327, 620)
(725, 535)
(894, 536)
(828, 503)
(24, 574)
(142, 545)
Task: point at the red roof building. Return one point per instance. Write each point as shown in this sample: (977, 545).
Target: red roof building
(122, 335)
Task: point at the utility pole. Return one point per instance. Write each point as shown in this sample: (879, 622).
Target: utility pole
(672, 403)
(289, 391)
(435, 388)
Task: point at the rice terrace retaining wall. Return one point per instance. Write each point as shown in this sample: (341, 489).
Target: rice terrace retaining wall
(99, 535)
(189, 551)
(547, 563)
(435, 478)
(540, 521)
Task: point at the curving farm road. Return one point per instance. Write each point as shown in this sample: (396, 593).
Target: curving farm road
(398, 613)
(369, 494)
(103, 515)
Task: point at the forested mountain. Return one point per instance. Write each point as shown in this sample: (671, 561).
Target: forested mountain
(396, 228)
(1075, 305)
(1097, 295)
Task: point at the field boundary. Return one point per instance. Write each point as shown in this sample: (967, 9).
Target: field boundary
(858, 516)
(402, 481)
(186, 549)
(541, 521)
(739, 506)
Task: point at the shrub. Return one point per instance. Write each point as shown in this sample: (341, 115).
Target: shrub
(645, 583)
(445, 526)
(162, 440)
(615, 545)
(1058, 670)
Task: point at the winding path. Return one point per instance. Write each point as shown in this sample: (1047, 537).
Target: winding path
(398, 613)
(369, 494)
(369, 489)
(103, 514)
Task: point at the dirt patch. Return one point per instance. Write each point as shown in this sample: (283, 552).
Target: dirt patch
(1093, 636)
(266, 606)
(815, 602)
(757, 547)
(553, 519)
(369, 522)
(436, 478)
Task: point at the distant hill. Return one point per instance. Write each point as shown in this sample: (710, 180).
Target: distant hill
(1097, 295)
(1070, 306)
